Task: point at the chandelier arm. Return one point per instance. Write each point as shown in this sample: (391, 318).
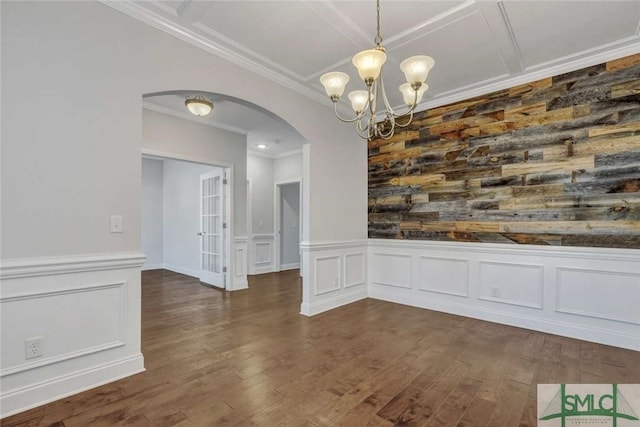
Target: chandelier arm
(387, 106)
(335, 110)
(360, 130)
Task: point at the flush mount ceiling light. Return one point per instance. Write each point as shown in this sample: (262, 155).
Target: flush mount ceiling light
(198, 105)
(369, 65)
(262, 146)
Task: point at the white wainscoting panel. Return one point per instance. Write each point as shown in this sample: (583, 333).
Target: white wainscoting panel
(98, 308)
(392, 269)
(586, 293)
(87, 311)
(510, 283)
(355, 269)
(239, 260)
(611, 295)
(328, 276)
(333, 275)
(444, 275)
(261, 253)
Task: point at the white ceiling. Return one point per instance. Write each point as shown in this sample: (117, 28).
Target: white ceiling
(235, 115)
(478, 46)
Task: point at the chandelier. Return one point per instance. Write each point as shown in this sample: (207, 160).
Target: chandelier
(364, 102)
(198, 106)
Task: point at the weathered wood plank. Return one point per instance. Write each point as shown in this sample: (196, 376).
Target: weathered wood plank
(552, 162)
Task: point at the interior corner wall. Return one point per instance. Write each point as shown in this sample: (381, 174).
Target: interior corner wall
(260, 171)
(79, 166)
(152, 212)
(171, 136)
(287, 168)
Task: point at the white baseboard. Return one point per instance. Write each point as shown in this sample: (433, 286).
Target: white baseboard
(58, 388)
(261, 270)
(182, 270)
(582, 293)
(147, 267)
(581, 332)
(326, 304)
(292, 266)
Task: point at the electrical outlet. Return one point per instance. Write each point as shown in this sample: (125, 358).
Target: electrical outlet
(33, 347)
(495, 291)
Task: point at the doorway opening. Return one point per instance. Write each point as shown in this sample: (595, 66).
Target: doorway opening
(186, 217)
(288, 221)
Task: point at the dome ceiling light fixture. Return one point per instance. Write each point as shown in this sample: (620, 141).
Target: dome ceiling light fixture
(198, 105)
(363, 102)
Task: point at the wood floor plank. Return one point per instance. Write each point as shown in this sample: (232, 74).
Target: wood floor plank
(250, 359)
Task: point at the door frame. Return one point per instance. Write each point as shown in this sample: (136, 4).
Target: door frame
(228, 197)
(277, 220)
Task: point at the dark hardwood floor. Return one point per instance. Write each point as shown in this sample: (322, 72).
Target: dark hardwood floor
(249, 358)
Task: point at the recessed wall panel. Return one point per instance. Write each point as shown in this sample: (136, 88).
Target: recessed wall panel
(354, 269)
(392, 270)
(511, 283)
(607, 295)
(327, 274)
(444, 275)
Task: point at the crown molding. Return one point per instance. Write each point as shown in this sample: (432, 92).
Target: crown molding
(190, 117)
(164, 24)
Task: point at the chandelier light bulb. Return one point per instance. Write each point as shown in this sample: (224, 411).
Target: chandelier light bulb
(416, 68)
(359, 99)
(369, 63)
(334, 84)
(409, 95)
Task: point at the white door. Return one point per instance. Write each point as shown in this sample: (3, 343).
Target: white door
(212, 229)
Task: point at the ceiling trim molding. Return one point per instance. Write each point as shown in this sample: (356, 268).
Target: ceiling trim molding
(554, 69)
(163, 24)
(511, 33)
(190, 117)
(253, 152)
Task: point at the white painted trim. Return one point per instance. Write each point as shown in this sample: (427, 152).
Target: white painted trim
(186, 271)
(337, 286)
(582, 332)
(231, 55)
(163, 155)
(329, 245)
(241, 239)
(261, 270)
(584, 313)
(544, 316)
(41, 266)
(569, 63)
(291, 266)
(326, 304)
(190, 117)
(58, 388)
(274, 156)
(149, 267)
(609, 254)
(267, 236)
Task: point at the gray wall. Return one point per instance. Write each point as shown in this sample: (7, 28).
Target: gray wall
(152, 212)
(260, 172)
(290, 224)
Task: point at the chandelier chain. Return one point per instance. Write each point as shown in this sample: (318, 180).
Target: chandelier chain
(378, 39)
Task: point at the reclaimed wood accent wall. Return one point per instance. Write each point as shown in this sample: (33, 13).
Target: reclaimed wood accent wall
(553, 162)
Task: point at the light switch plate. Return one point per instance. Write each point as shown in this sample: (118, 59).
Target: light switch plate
(117, 224)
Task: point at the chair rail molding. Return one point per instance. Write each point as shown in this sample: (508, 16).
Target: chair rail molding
(586, 293)
(86, 311)
(334, 274)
